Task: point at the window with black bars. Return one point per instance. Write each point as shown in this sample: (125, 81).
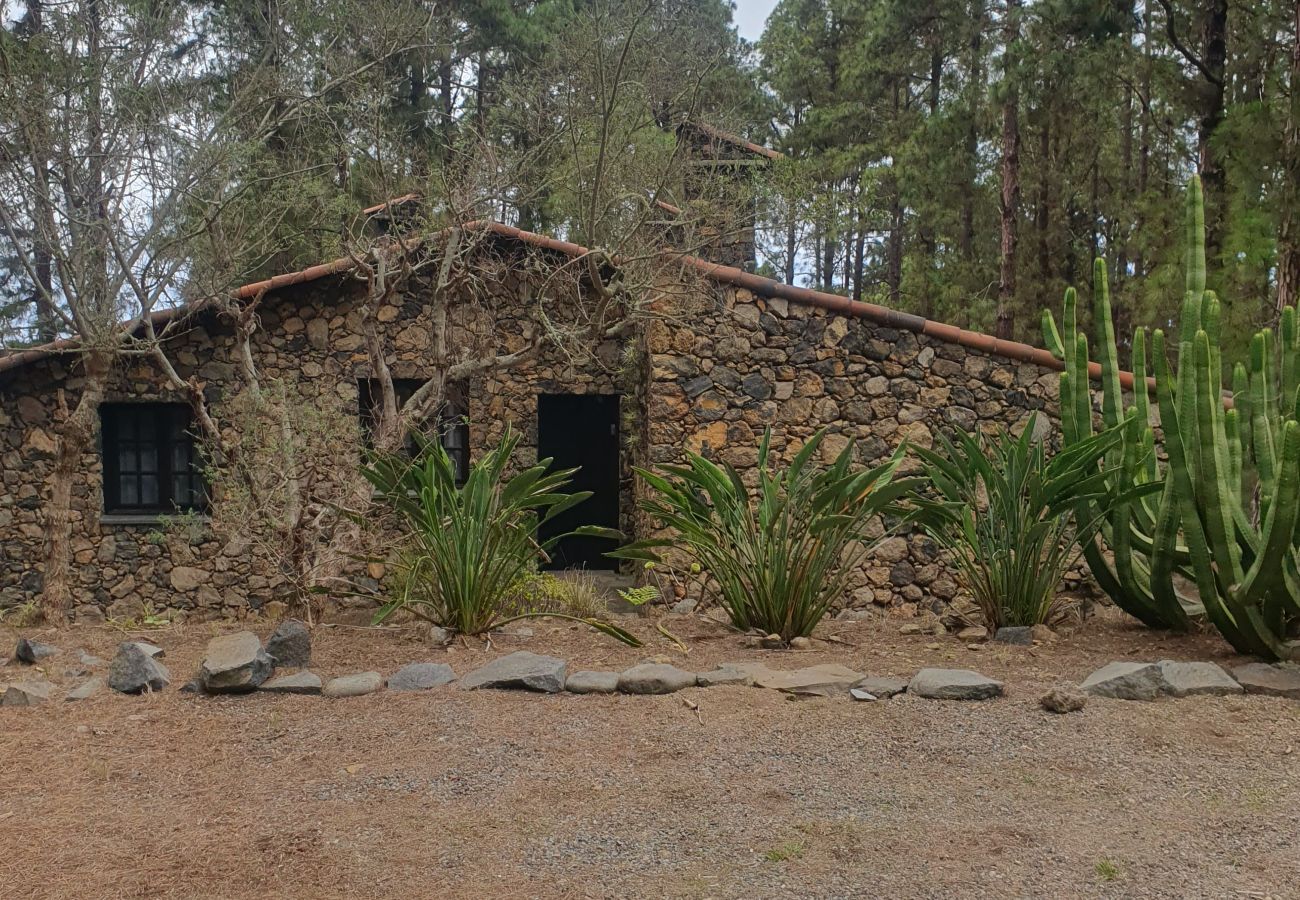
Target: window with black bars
(452, 424)
(150, 459)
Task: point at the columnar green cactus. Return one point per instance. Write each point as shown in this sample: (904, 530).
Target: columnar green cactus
(1226, 516)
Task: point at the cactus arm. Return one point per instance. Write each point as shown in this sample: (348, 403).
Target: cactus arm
(1142, 403)
(1241, 403)
(1231, 426)
(1266, 576)
(1195, 239)
(1082, 399)
(1185, 490)
(1051, 336)
(1112, 401)
(1260, 402)
(1219, 524)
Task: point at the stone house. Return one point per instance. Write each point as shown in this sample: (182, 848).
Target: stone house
(727, 354)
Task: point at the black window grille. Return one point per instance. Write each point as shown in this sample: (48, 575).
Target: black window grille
(150, 459)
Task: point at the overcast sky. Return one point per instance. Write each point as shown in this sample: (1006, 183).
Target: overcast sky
(750, 16)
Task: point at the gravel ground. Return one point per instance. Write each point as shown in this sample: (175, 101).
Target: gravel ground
(495, 794)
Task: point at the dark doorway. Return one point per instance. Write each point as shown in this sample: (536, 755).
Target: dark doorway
(582, 430)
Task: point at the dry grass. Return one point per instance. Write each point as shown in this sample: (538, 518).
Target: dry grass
(454, 794)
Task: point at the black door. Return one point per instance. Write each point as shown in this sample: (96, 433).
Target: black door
(582, 430)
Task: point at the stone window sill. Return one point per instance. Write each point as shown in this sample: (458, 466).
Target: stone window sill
(144, 518)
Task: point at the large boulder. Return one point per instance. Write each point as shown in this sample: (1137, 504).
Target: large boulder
(1187, 679)
(133, 671)
(289, 646)
(1276, 681)
(953, 684)
(31, 652)
(234, 664)
(26, 693)
(519, 670)
(1126, 681)
(353, 685)
(302, 682)
(655, 678)
(421, 676)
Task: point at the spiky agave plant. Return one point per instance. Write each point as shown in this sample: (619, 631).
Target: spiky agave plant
(781, 552)
(467, 547)
(1009, 515)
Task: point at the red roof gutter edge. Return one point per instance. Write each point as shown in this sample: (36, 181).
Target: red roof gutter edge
(766, 287)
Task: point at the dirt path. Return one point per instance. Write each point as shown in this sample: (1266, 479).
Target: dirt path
(454, 794)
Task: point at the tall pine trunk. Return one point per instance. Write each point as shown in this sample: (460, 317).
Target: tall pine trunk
(1288, 239)
(1010, 201)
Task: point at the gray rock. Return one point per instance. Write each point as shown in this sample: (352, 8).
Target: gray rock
(519, 670)
(859, 694)
(655, 678)
(133, 671)
(1063, 699)
(1015, 634)
(1126, 681)
(826, 680)
(685, 606)
(353, 685)
(290, 644)
(234, 664)
(153, 651)
(800, 643)
(420, 676)
(1276, 681)
(1187, 679)
(953, 684)
(592, 683)
(724, 674)
(89, 660)
(302, 682)
(86, 690)
(882, 686)
(30, 651)
(26, 693)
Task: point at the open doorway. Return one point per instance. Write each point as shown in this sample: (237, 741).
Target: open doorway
(582, 430)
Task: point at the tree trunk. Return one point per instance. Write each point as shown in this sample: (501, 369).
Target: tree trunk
(75, 435)
(974, 91)
(1214, 40)
(1010, 201)
(1288, 239)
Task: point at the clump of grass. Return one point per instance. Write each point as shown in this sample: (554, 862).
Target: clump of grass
(24, 615)
(784, 852)
(1107, 869)
(575, 593)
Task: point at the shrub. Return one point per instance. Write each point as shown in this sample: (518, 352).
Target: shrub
(782, 551)
(467, 549)
(1007, 514)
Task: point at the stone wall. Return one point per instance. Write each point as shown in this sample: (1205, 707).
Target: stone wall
(728, 364)
(310, 339)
